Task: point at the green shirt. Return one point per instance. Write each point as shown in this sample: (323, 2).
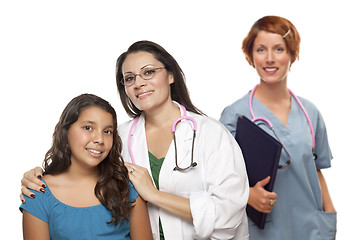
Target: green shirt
(156, 165)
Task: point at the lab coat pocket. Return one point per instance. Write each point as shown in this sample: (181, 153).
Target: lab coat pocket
(327, 225)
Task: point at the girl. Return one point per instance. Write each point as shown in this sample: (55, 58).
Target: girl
(88, 195)
(300, 206)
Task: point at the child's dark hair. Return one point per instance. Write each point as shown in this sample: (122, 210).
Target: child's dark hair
(112, 188)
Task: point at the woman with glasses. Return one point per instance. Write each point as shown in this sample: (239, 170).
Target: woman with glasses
(199, 187)
(300, 206)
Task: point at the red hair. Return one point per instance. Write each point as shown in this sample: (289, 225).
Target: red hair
(273, 24)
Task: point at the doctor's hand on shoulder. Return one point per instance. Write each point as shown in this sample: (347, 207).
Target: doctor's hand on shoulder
(142, 181)
(261, 199)
(31, 180)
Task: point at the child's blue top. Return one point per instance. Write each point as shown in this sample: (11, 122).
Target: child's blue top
(67, 222)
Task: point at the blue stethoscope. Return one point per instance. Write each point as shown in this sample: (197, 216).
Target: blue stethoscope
(183, 117)
(265, 120)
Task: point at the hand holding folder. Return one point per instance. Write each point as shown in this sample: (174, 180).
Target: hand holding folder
(261, 155)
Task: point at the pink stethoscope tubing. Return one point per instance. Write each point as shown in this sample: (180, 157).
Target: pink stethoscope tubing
(254, 119)
(183, 117)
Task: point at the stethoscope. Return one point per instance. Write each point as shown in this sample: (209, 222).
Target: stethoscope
(183, 117)
(265, 120)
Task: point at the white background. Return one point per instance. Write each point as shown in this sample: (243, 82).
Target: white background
(52, 51)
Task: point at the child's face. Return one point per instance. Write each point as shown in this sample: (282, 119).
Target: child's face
(90, 138)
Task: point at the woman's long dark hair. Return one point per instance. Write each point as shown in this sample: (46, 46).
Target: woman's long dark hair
(179, 91)
(112, 188)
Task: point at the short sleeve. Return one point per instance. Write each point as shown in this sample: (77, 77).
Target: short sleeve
(38, 206)
(133, 194)
(229, 119)
(220, 210)
(322, 149)
(229, 116)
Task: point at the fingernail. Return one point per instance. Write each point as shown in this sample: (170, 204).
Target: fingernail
(22, 201)
(42, 190)
(44, 186)
(32, 195)
(39, 176)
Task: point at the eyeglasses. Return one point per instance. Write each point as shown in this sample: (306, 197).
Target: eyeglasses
(146, 74)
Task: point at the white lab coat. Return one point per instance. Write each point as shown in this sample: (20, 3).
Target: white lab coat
(217, 187)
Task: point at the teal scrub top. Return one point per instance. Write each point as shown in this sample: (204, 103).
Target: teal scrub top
(67, 222)
(298, 213)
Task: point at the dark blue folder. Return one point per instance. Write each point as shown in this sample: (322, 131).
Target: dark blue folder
(261, 155)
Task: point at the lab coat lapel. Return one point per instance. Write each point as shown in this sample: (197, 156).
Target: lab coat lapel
(166, 172)
(139, 144)
(173, 225)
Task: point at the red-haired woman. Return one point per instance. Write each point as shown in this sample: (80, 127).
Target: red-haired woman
(300, 206)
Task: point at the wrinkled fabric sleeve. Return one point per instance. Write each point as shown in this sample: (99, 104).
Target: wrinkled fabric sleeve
(322, 148)
(218, 211)
(133, 194)
(229, 119)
